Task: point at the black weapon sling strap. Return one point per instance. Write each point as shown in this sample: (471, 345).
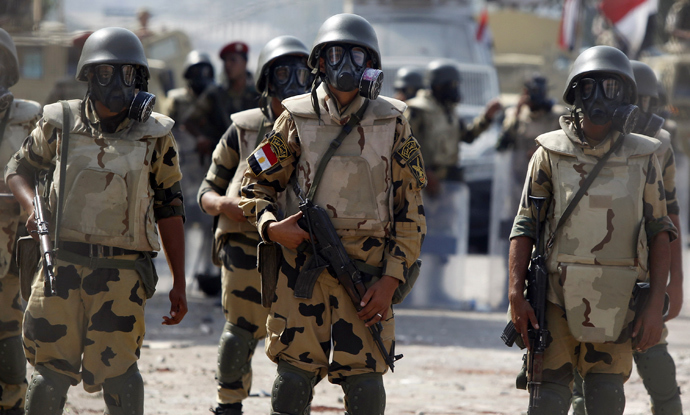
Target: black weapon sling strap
(262, 131)
(64, 146)
(583, 189)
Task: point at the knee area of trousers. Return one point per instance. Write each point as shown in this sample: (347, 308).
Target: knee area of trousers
(234, 349)
(604, 394)
(12, 361)
(124, 394)
(365, 394)
(292, 390)
(47, 392)
(554, 399)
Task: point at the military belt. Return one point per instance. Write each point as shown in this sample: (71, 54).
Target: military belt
(96, 256)
(368, 269)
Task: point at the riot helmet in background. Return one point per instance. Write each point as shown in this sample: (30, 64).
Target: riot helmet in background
(537, 87)
(648, 122)
(408, 80)
(282, 71)
(198, 71)
(9, 74)
(443, 78)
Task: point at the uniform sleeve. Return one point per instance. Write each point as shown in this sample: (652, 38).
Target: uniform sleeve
(668, 167)
(654, 199)
(537, 183)
(470, 132)
(165, 178)
(224, 162)
(409, 223)
(509, 130)
(261, 185)
(36, 153)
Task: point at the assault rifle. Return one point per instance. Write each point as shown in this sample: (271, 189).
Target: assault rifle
(328, 251)
(47, 252)
(537, 280)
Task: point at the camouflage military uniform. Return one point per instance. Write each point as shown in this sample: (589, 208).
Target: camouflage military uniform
(117, 185)
(590, 326)
(440, 131)
(237, 241)
(371, 189)
(21, 119)
(233, 102)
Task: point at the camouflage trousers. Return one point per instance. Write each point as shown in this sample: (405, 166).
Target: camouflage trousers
(11, 309)
(92, 329)
(565, 354)
(301, 331)
(241, 291)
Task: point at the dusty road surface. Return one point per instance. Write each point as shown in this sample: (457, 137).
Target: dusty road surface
(454, 363)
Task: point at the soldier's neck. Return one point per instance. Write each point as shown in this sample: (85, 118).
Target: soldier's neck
(595, 134)
(344, 98)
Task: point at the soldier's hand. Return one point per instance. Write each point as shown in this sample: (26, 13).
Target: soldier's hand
(492, 108)
(648, 327)
(178, 306)
(287, 232)
(522, 313)
(675, 296)
(377, 300)
(32, 227)
(230, 207)
(433, 184)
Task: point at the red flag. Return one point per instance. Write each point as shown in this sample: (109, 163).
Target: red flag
(629, 17)
(483, 22)
(568, 28)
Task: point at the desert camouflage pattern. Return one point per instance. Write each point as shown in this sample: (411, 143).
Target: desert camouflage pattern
(594, 265)
(111, 180)
(241, 283)
(667, 161)
(299, 330)
(92, 329)
(566, 353)
(241, 300)
(23, 116)
(523, 128)
(229, 162)
(439, 130)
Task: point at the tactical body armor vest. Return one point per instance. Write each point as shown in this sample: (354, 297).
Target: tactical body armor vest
(441, 139)
(601, 251)
(108, 198)
(356, 188)
(248, 124)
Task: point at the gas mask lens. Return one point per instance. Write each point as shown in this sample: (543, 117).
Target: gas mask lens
(334, 55)
(282, 74)
(105, 72)
(611, 87)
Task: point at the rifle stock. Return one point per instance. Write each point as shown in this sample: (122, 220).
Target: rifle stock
(47, 251)
(328, 250)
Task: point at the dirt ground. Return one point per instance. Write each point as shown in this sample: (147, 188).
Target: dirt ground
(454, 363)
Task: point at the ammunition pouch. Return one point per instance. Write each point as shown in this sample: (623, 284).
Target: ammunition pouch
(28, 256)
(270, 256)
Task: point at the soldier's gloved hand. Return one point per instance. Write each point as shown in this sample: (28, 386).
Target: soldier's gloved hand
(648, 326)
(377, 300)
(287, 232)
(522, 314)
(178, 306)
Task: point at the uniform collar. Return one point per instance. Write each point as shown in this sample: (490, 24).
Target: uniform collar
(338, 114)
(601, 148)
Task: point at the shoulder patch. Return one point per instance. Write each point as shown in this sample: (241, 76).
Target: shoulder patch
(271, 152)
(409, 155)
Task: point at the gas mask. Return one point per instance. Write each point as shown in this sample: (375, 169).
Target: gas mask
(447, 92)
(601, 99)
(346, 70)
(114, 86)
(289, 76)
(199, 77)
(537, 90)
(648, 124)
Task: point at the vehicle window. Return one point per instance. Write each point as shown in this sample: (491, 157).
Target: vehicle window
(31, 62)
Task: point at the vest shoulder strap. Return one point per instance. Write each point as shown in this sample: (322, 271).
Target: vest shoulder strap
(250, 120)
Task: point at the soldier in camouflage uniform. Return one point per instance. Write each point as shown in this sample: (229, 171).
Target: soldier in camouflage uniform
(656, 366)
(601, 250)
(371, 189)
(438, 127)
(281, 73)
(17, 118)
(121, 179)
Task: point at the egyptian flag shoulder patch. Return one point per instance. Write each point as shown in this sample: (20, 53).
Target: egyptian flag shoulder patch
(268, 154)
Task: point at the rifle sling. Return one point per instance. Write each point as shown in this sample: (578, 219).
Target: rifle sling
(347, 128)
(583, 189)
(262, 131)
(66, 116)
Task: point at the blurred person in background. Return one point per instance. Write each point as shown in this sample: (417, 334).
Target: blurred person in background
(408, 80)
(282, 72)
(17, 118)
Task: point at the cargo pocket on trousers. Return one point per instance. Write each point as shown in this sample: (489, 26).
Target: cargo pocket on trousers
(274, 345)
